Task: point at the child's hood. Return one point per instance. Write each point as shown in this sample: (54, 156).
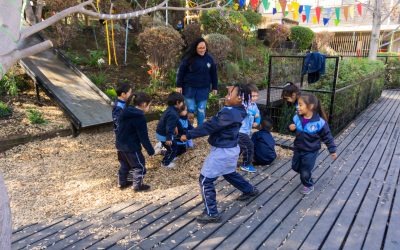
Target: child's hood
(235, 113)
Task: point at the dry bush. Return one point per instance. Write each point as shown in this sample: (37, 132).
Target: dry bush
(219, 46)
(321, 42)
(191, 33)
(162, 46)
(276, 34)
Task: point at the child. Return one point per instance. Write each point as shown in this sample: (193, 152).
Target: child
(124, 91)
(291, 93)
(252, 120)
(183, 127)
(131, 135)
(223, 131)
(264, 144)
(166, 128)
(311, 127)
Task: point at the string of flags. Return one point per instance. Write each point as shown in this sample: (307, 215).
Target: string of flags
(297, 10)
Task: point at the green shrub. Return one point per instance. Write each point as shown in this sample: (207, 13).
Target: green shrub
(303, 36)
(393, 73)
(98, 79)
(232, 71)
(95, 57)
(276, 34)
(252, 17)
(9, 84)
(219, 46)
(4, 110)
(35, 117)
(111, 93)
(191, 33)
(213, 22)
(75, 58)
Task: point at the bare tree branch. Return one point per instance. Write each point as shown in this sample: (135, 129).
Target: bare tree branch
(391, 11)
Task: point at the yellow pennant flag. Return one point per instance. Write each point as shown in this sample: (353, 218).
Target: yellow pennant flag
(351, 11)
(278, 6)
(295, 15)
(290, 7)
(295, 6)
(314, 20)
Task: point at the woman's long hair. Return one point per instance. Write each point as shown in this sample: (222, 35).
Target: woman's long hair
(191, 52)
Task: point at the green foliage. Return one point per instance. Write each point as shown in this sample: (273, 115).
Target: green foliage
(285, 118)
(219, 46)
(303, 36)
(276, 34)
(232, 71)
(75, 57)
(95, 57)
(172, 77)
(98, 79)
(35, 117)
(213, 22)
(252, 17)
(111, 93)
(191, 33)
(11, 83)
(5, 111)
(226, 22)
(393, 73)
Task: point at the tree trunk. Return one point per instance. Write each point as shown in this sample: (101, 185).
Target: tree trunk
(5, 217)
(9, 25)
(376, 30)
(39, 10)
(30, 16)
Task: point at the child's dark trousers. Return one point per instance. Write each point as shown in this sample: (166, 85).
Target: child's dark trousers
(135, 162)
(209, 194)
(246, 148)
(303, 163)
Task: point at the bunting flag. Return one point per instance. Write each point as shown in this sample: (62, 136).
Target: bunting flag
(290, 7)
(337, 22)
(295, 15)
(318, 13)
(241, 3)
(359, 9)
(278, 6)
(286, 13)
(351, 11)
(307, 10)
(337, 10)
(325, 20)
(274, 11)
(346, 12)
(296, 6)
(283, 5)
(236, 6)
(300, 9)
(254, 4)
(314, 20)
(304, 18)
(266, 4)
(328, 12)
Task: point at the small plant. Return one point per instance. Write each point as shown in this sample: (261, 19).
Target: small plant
(111, 93)
(98, 79)
(35, 117)
(75, 58)
(303, 36)
(96, 58)
(252, 17)
(5, 111)
(219, 46)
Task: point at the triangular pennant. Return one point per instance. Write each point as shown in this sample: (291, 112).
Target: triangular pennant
(295, 6)
(328, 12)
(337, 22)
(337, 10)
(318, 12)
(283, 5)
(351, 11)
(314, 20)
(359, 9)
(290, 7)
(307, 9)
(346, 12)
(236, 6)
(300, 9)
(265, 4)
(278, 6)
(325, 20)
(295, 15)
(254, 4)
(274, 11)
(241, 3)
(286, 13)
(304, 18)
(230, 2)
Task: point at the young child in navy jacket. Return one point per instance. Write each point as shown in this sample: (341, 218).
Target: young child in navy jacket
(223, 131)
(124, 91)
(311, 127)
(183, 127)
(166, 128)
(131, 135)
(264, 143)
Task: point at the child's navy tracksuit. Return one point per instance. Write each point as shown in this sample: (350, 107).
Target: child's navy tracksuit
(264, 147)
(223, 129)
(165, 132)
(308, 143)
(183, 127)
(245, 143)
(131, 135)
(116, 112)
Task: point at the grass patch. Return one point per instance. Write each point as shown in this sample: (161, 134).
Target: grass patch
(35, 117)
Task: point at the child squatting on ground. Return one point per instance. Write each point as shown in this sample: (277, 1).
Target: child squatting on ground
(251, 120)
(131, 135)
(291, 93)
(166, 127)
(311, 127)
(264, 143)
(184, 126)
(223, 131)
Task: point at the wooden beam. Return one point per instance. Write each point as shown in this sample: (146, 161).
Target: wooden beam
(5, 217)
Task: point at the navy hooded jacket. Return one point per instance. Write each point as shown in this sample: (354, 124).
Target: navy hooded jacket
(200, 74)
(264, 146)
(116, 112)
(132, 132)
(223, 128)
(167, 123)
(309, 138)
(314, 66)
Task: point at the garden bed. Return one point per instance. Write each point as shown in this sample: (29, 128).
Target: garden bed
(67, 175)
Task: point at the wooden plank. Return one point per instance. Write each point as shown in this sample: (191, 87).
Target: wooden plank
(5, 217)
(392, 240)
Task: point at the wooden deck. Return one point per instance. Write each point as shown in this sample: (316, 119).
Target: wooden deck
(356, 204)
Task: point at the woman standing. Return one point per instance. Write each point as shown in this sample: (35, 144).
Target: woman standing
(197, 74)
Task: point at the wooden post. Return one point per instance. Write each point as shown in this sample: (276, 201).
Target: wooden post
(5, 217)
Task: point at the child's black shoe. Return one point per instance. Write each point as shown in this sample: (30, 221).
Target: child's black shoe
(141, 188)
(125, 185)
(205, 218)
(246, 196)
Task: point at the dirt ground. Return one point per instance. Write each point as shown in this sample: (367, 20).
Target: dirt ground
(67, 175)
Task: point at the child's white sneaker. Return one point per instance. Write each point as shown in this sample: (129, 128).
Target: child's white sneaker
(157, 148)
(171, 165)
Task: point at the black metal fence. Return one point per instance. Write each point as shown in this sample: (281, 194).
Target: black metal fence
(342, 102)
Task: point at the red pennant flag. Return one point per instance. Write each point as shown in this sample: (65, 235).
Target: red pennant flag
(254, 4)
(318, 12)
(359, 9)
(283, 5)
(304, 18)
